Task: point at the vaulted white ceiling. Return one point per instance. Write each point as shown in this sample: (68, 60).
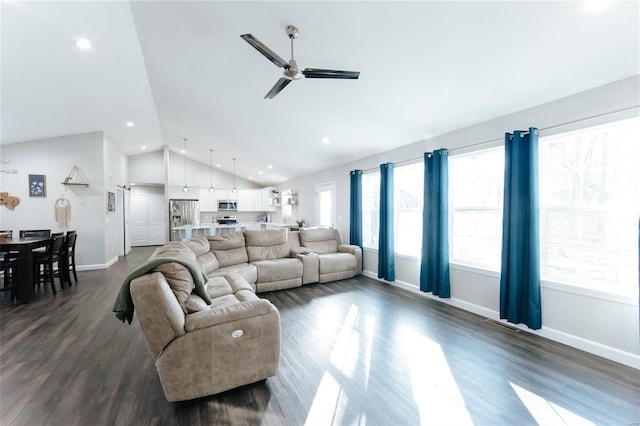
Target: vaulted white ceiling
(180, 69)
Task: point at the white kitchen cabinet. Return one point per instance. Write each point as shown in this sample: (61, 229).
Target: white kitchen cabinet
(208, 200)
(247, 200)
(226, 194)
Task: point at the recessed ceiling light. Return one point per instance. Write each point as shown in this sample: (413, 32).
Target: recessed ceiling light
(270, 166)
(143, 147)
(183, 151)
(326, 141)
(132, 184)
(259, 172)
(218, 165)
(82, 43)
(250, 177)
(130, 124)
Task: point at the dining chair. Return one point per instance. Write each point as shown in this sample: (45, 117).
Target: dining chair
(9, 267)
(70, 255)
(44, 262)
(34, 233)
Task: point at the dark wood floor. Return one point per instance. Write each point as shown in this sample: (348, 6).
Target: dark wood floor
(353, 352)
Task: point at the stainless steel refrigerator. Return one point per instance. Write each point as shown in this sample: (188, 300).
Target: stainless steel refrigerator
(183, 216)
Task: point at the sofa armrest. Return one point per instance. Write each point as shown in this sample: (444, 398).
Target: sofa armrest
(239, 311)
(310, 265)
(354, 250)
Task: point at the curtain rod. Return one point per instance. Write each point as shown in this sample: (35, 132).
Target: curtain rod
(555, 126)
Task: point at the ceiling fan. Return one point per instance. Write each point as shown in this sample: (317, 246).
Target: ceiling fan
(291, 71)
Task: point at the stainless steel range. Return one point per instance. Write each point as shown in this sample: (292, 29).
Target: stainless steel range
(226, 220)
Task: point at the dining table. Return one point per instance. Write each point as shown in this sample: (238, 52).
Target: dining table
(24, 247)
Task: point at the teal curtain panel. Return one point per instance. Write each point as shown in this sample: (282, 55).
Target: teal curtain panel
(386, 263)
(520, 270)
(434, 265)
(355, 208)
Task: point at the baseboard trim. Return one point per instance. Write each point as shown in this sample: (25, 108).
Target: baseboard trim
(96, 266)
(586, 345)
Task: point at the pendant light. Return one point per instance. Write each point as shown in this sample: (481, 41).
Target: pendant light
(234, 190)
(211, 188)
(186, 188)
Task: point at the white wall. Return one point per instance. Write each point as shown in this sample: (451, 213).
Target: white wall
(115, 173)
(149, 168)
(54, 158)
(607, 326)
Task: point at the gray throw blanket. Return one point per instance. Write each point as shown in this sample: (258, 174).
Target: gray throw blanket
(123, 307)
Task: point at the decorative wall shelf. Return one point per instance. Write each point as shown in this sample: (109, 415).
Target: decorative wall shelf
(73, 178)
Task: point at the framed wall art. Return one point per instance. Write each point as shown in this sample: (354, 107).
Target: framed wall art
(111, 202)
(37, 186)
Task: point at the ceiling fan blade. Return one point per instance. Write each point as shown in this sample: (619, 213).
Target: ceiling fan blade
(320, 73)
(262, 48)
(277, 88)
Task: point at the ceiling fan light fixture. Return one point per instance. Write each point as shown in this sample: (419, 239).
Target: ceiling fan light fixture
(290, 69)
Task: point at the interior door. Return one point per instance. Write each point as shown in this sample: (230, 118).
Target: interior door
(147, 220)
(326, 204)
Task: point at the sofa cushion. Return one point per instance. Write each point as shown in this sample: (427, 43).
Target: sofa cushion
(177, 275)
(229, 249)
(195, 303)
(231, 257)
(319, 240)
(336, 262)
(179, 279)
(208, 262)
(225, 242)
(245, 270)
(199, 245)
(278, 270)
(266, 244)
(227, 284)
(174, 249)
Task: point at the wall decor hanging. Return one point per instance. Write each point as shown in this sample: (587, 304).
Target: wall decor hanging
(63, 212)
(111, 202)
(37, 186)
(9, 201)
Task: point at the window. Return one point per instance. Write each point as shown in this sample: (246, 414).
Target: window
(370, 209)
(408, 193)
(590, 205)
(476, 183)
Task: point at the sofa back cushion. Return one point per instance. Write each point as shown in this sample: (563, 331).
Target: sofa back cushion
(293, 238)
(229, 249)
(319, 240)
(178, 276)
(202, 249)
(199, 245)
(267, 244)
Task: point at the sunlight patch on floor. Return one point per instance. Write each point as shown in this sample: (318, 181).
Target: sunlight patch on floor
(352, 350)
(435, 390)
(545, 412)
(328, 403)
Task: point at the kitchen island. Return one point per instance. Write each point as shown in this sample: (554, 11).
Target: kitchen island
(187, 232)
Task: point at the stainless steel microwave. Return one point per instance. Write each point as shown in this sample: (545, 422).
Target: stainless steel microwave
(227, 205)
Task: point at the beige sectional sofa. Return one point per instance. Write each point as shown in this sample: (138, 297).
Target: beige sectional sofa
(198, 310)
